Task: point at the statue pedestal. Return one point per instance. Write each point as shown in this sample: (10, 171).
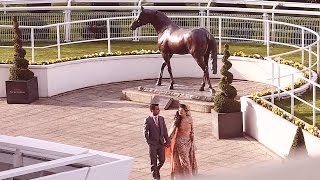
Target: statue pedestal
(190, 95)
(186, 91)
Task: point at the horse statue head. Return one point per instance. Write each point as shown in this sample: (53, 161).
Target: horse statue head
(141, 20)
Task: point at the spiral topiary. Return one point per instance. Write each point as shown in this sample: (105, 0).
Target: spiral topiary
(224, 101)
(19, 70)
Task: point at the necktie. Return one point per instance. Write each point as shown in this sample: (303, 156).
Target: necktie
(156, 121)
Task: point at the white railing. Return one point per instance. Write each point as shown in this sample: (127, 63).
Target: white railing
(74, 33)
(263, 3)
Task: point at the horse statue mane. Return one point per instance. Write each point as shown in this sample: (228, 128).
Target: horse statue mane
(172, 39)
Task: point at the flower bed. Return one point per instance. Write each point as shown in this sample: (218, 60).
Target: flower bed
(275, 128)
(116, 53)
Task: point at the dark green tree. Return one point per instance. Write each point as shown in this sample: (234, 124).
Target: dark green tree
(298, 147)
(19, 70)
(224, 101)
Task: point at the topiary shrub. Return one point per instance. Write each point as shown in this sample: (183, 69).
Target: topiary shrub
(19, 70)
(298, 147)
(224, 101)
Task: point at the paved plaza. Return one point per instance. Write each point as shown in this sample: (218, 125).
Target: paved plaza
(96, 118)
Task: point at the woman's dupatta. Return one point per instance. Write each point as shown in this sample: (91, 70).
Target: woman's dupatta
(169, 151)
(194, 165)
(172, 135)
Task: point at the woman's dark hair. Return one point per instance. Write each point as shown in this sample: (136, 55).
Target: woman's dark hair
(177, 117)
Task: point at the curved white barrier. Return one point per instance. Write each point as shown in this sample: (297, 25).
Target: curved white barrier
(272, 131)
(67, 76)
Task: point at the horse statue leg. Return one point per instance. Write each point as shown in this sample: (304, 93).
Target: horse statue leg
(209, 83)
(167, 57)
(206, 73)
(203, 63)
(164, 64)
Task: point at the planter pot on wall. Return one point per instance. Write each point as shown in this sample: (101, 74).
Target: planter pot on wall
(227, 125)
(22, 92)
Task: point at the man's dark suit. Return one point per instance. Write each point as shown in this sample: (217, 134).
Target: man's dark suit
(157, 138)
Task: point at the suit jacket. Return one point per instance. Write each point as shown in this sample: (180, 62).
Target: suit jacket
(155, 135)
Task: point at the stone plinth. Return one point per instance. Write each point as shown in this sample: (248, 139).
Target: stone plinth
(200, 101)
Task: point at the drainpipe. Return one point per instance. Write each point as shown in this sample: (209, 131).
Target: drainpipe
(137, 32)
(208, 13)
(67, 18)
(272, 24)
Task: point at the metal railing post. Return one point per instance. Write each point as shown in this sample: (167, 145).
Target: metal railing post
(318, 58)
(68, 26)
(273, 33)
(67, 18)
(268, 38)
(135, 32)
(314, 94)
(310, 64)
(202, 20)
(265, 18)
(58, 42)
(208, 14)
(108, 34)
(208, 24)
(302, 45)
(32, 44)
(279, 79)
(292, 94)
(220, 34)
(272, 90)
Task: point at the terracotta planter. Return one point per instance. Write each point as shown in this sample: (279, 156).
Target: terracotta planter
(22, 92)
(227, 125)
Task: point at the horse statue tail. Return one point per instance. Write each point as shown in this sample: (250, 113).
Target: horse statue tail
(214, 55)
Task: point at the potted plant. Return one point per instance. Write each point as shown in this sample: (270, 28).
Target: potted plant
(22, 87)
(227, 115)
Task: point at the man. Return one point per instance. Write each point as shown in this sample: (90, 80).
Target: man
(156, 134)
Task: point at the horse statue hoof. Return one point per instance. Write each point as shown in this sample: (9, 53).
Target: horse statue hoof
(213, 92)
(158, 83)
(171, 88)
(201, 89)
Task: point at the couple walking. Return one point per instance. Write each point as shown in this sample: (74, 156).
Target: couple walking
(178, 143)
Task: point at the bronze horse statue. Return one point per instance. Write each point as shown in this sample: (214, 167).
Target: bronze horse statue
(175, 40)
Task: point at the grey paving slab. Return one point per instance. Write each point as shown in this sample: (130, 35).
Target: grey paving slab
(96, 118)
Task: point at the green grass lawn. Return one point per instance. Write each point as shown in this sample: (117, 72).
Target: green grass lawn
(302, 111)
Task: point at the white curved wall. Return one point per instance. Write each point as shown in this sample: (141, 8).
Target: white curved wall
(272, 131)
(62, 77)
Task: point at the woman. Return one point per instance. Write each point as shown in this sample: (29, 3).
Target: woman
(183, 161)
